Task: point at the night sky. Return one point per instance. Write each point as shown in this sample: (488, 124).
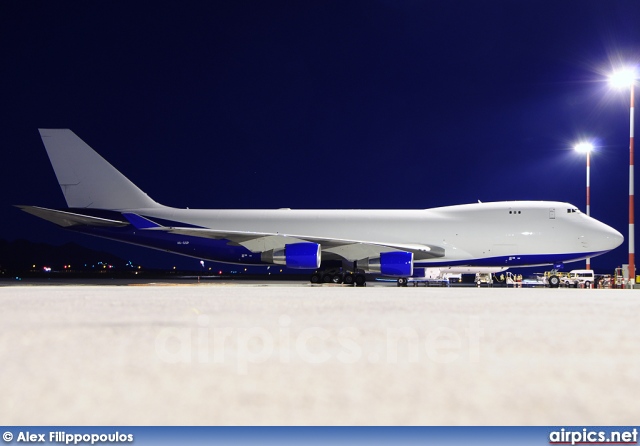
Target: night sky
(319, 104)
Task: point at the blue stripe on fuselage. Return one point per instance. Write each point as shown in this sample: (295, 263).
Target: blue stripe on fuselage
(139, 222)
(515, 261)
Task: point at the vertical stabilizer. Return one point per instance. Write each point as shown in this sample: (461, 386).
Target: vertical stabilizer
(87, 180)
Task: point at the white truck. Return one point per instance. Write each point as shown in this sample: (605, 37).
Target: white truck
(426, 277)
(582, 278)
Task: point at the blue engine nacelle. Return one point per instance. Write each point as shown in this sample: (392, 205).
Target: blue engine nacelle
(396, 263)
(295, 255)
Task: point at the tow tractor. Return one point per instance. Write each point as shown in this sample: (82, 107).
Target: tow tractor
(552, 279)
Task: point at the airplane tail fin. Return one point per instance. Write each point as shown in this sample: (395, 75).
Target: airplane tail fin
(88, 180)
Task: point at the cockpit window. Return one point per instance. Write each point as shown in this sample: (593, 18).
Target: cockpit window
(572, 211)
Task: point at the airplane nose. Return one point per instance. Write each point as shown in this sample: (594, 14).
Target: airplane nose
(612, 238)
(600, 237)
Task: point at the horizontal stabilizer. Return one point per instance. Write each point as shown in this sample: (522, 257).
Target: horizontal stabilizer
(67, 219)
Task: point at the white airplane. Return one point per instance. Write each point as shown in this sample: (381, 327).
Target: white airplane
(104, 203)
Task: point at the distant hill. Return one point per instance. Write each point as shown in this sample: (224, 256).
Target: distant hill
(21, 255)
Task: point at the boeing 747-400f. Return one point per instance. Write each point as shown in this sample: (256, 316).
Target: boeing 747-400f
(103, 202)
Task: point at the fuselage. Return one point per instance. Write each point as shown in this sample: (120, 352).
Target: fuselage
(517, 233)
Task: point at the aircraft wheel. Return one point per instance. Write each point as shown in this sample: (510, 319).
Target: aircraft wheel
(348, 279)
(402, 281)
(554, 282)
(337, 278)
(315, 278)
(327, 278)
(360, 280)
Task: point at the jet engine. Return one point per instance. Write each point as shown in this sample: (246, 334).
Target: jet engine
(396, 263)
(295, 255)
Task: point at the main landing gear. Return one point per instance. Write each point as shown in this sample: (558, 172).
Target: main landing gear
(337, 276)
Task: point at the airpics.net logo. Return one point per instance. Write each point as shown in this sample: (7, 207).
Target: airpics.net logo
(201, 341)
(592, 436)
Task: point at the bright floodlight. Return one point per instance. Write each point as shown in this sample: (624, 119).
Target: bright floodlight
(584, 147)
(623, 78)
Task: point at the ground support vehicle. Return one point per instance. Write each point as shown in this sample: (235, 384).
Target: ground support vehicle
(579, 278)
(552, 279)
(424, 281)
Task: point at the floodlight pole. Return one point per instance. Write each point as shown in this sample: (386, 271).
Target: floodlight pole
(588, 196)
(632, 260)
(586, 147)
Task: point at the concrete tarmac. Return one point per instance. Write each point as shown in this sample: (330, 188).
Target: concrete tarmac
(243, 354)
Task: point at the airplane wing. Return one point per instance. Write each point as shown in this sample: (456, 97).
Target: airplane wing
(350, 250)
(67, 219)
